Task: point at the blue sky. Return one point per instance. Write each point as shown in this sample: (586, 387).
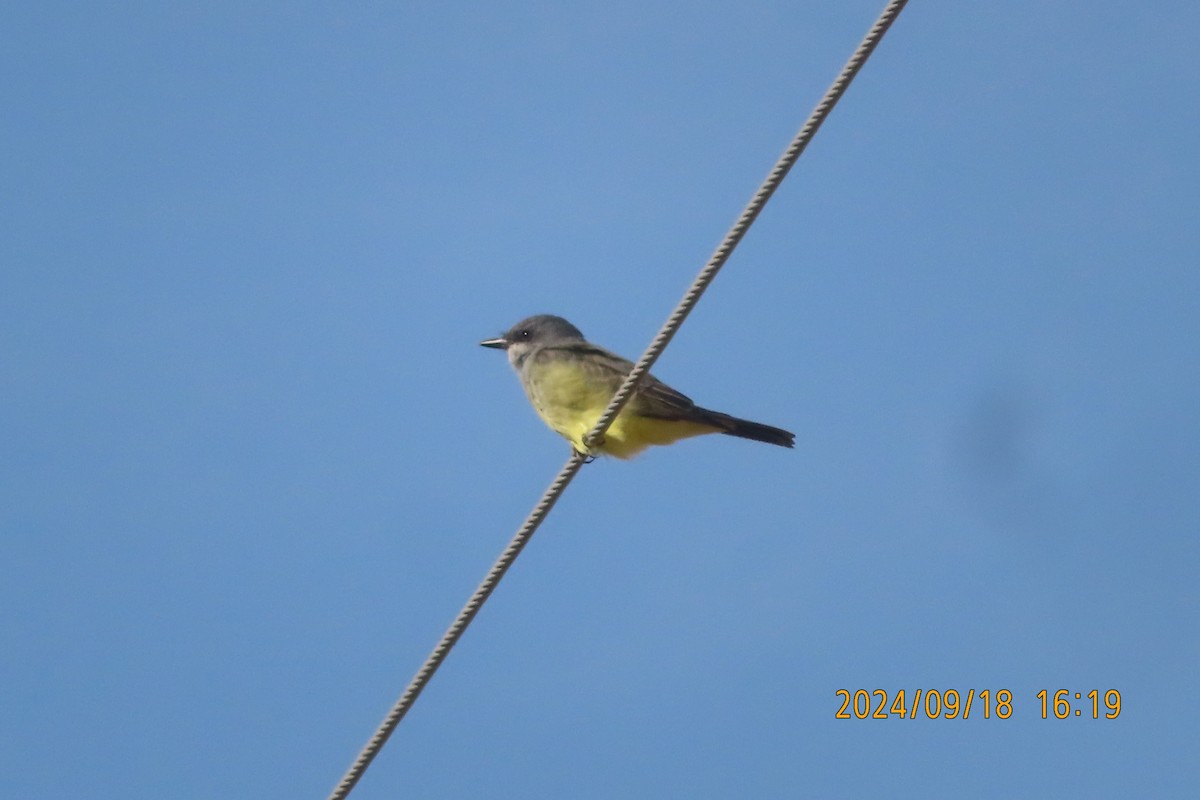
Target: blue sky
(254, 460)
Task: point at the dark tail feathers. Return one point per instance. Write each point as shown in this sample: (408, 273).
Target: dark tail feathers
(745, 429)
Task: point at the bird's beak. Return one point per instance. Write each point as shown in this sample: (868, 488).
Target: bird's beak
(499, 344)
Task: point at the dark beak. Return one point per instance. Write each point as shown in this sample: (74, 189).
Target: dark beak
(499, 344)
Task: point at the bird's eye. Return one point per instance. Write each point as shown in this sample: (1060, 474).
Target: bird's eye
(523, 334)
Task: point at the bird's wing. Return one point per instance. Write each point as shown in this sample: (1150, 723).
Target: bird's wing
(653, 397)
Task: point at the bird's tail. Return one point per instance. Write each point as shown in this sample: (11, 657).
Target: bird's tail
(745, 429)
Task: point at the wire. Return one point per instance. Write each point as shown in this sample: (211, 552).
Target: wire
(595, 437)
(749, 214)
(452, 634)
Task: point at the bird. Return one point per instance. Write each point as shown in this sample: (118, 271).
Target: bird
(570, 382)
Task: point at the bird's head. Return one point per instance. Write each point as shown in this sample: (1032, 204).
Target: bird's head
(529, 334)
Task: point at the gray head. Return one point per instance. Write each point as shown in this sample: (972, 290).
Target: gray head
(534, 332)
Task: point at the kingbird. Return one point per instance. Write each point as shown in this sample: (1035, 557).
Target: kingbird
(570, 382)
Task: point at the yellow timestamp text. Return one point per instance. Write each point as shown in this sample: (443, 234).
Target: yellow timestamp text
(1085, 704)
(986, 703)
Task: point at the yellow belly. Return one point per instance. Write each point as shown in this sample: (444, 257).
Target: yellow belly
(630, 434)
(570, 404)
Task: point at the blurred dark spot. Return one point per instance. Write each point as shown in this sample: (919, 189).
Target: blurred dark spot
(995, 464)
(993, 445)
